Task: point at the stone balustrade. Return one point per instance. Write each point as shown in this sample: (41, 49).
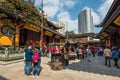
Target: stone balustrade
(8, 53)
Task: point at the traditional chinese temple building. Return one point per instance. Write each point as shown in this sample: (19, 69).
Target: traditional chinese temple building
(20, 24)
(110, 33)
(86, 39)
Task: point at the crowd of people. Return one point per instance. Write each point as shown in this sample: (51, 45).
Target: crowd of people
(33, 56)
(108, 53)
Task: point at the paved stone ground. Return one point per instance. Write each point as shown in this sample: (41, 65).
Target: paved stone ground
(77, 70)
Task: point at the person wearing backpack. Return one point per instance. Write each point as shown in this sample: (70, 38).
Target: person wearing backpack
(36, 59)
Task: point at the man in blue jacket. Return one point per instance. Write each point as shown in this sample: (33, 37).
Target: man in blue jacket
(115, 56)
(28, 60)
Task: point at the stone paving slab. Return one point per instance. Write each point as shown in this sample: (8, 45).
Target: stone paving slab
(77, 70)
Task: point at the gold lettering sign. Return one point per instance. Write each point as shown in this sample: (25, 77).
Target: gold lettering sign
(32, 27)
(48, 33)
(57, 36)
(117, 21)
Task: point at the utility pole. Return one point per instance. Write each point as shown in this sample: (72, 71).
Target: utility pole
(41, 41)
(14, 41)
(66, 26)
(66, 31)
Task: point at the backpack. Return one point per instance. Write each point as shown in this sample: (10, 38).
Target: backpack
(35, 57)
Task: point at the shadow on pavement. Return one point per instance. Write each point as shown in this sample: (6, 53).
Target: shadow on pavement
(95, 67)
(3, 78)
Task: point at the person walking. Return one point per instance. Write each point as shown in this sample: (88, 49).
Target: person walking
(88, 51)
(108, 55)
(36, 63)
(28, 60)
(52, 51)
(115, 56)
(80, 53)
(77, 51)
(92, 50)
(83, 53)
(101, 51)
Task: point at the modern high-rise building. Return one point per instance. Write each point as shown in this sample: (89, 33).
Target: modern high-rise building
(85, 21)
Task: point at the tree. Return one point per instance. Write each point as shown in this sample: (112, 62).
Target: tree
(14, 8)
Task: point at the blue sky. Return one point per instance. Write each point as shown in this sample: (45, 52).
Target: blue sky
(67, 11)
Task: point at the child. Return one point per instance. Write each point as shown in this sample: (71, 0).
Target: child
(36, 63)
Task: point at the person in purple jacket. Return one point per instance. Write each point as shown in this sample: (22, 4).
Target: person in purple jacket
(115, 56)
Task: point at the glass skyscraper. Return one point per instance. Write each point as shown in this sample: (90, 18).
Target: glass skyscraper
(85, 21)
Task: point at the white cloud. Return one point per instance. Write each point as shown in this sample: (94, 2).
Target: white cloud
(51, 7)
(72, 25)
(37, 3)
(96, 18)
(69, 3)
(103, 9)
(51, 11)
(56, 8)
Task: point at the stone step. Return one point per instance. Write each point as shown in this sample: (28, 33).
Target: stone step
(10, 62)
